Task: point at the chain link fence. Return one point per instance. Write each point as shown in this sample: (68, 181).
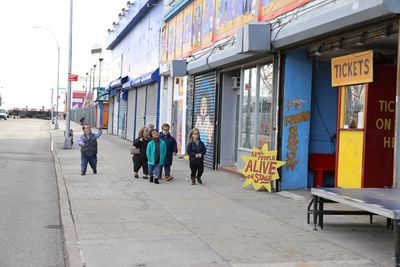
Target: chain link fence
(88, 115)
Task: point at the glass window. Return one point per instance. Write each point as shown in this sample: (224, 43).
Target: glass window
(265, 106)
(354, 110)
(249, 107)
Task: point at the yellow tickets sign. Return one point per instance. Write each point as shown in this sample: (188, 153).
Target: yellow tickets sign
(353, 69)
(261, 168)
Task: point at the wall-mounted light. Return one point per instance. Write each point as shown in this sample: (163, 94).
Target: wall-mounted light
(129, 4)
(363, 37)
(388, 31)
(110, 31)
(340, 44)
(115, 24)
(318, 52)
(120, 15)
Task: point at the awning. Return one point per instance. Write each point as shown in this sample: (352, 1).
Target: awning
(145, 79)
(316, 22)
(117, 83)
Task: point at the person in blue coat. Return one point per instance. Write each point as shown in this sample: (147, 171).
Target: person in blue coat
(156, 151)
(196, 151)
(172, 149)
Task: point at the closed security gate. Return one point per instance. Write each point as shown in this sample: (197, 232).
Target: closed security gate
(110, 116)
(151, 104)
(122, 117)
(115, 114)
(130, 115)
(204, 96)
(140, 108)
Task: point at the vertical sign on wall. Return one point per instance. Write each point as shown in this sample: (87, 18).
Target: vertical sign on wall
(223, 21)
(244, 11)
(208, 23)
(179, 35)
(197, 23)
(187, 30)
(164, 44)
(171, 39)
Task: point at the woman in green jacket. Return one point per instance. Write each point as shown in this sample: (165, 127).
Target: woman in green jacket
(156, 151)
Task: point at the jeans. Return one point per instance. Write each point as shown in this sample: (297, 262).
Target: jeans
(156, 169)
(167, 170)
(92, 160)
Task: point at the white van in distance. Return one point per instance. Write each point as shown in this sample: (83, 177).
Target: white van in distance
(3, 114)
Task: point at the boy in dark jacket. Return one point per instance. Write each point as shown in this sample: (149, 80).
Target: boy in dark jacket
(172, 149)
(196, 151)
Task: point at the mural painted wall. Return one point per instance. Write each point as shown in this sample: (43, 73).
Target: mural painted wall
(207, 21)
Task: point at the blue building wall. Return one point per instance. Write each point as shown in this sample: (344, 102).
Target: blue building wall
(323, 116)
(297, 87)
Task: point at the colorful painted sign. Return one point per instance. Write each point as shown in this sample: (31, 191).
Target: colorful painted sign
(244, 11)
(164, 44)
(261, 168)
(197, 24)
(352, 69)
(171, 39)
(224, 19)
(208, 23)
(187, 30)
(270, 9)
(178, 35)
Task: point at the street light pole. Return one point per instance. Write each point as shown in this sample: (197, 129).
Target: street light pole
(58, 71)
(100, 60)
(68, 137)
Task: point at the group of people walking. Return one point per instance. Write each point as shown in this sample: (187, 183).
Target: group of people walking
(152, 152)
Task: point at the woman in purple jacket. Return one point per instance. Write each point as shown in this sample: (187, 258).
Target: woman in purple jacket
(196, 151)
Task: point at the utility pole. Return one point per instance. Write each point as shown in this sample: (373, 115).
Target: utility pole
(68, 137)
(52, 105)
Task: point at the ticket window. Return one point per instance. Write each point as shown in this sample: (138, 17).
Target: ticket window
(351, 136)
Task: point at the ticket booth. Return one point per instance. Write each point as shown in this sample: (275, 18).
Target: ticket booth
(366, 121)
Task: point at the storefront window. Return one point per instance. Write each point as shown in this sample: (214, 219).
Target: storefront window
(265, 106)
(354, 116)
(249, 107)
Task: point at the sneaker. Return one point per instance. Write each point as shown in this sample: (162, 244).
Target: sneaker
(136, 175)
(145, 177)
(169, 178)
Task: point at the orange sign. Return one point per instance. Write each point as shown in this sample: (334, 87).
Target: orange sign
(352, 69)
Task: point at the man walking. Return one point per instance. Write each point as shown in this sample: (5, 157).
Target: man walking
(88, 144)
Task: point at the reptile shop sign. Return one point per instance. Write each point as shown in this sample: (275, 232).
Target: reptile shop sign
(352, 69)
(261, 168)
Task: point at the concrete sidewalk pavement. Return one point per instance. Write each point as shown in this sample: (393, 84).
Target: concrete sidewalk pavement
(113, 219)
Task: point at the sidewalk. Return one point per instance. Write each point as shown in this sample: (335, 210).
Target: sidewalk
(113, 219)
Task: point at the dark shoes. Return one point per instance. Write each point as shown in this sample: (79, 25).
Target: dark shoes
(82, 173)
(199, 180)
(136, 175)
(145, 177)
(193, 180)
(169, 178)
(151, 179)
(156, 181)
(94, 171)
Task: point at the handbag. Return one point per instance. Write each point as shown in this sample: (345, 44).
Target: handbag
(135, 150)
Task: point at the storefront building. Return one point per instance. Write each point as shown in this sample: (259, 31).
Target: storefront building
(338, 84)
(134, 45)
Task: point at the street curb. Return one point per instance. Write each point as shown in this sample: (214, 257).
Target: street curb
(72, 256)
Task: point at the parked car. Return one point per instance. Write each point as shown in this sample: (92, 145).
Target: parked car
(3, 114)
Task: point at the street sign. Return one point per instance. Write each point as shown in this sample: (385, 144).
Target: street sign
(73, 78)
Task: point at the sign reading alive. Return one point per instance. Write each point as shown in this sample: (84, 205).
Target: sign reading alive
(352, 69)
(261, 168)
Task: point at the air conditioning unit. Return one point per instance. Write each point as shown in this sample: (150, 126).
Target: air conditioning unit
(236, 82)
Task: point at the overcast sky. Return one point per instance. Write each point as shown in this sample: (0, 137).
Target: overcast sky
(28, 57)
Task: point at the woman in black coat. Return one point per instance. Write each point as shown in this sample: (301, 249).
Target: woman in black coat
(172, 149)
(140, 159)
(196, 151)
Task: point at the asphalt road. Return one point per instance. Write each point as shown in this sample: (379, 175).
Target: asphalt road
(30, 230)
